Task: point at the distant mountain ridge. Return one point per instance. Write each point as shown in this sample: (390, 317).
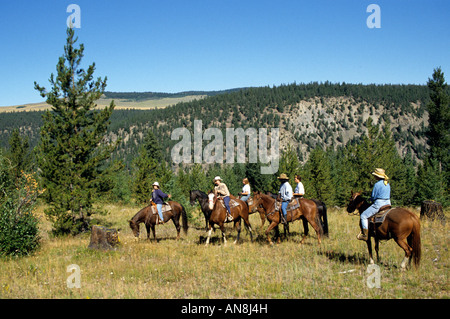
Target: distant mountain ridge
(140, 96)
(308, 115)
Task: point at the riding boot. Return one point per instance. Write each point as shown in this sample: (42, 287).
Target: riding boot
(283, 219)
(364, 235)
(229, 217)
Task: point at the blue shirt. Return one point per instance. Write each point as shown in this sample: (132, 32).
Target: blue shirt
(286, 192)
(158, 195)
(381, 191)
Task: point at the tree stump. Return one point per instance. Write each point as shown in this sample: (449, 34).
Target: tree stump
(432, 210)
(103, 238)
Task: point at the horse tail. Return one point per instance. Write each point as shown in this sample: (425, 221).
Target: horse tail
(415, 242)
(319, 222)
(184, 219)
(324, 219)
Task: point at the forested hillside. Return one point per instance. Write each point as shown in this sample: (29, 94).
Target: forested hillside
(330, 133)
(307, 114)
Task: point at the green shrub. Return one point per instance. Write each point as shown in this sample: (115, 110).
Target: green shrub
(18, 230)
(19, 234)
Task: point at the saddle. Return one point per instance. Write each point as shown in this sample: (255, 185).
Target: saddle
(233, 203)
(293, 204)
(379, 217)
(165, 208)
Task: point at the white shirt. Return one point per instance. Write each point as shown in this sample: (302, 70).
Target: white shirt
(286, 191)
(299, 189)
(246, 189)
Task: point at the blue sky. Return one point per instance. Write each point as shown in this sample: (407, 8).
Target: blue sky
(175, 45)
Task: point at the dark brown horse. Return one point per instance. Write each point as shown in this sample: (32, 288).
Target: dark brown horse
(307, 211)
(219, 214)
(400, 224)
(146, 216)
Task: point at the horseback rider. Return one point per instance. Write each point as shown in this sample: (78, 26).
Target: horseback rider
(381, 195)
(245, 194)
(299, 191)
(222, 192)
(158, 198)
(285, 194)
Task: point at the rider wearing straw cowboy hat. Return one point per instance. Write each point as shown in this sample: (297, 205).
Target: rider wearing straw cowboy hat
(381, 196)
(221, 191)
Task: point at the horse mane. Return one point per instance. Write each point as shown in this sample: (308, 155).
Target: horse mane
(139, 212)
(201, 193)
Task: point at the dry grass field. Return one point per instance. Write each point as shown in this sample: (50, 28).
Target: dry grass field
(188, 269)
(120, 104)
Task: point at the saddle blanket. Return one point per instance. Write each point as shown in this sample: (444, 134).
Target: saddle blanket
(379, 217)
(233, 203)
(165, 208)
(293, 204)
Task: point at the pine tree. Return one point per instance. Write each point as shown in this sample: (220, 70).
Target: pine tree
(149, 168)
(430, 184)
(317, 177)
(438, 133)
(73, 147)
(19, 153)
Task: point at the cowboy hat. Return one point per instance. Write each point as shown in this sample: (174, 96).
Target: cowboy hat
(380, 173)
(155, 184)
(217, 178)
(283, 176)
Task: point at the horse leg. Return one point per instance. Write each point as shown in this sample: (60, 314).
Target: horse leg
(277, 233)
(408, 250)
(147, 227)
(249, 227)
(237, 225)
(209, 234)
(222, 228)
(154, 232)
(206, 220)
(369, 248)
(286, 231)
(176, 222)
(271, 226)
(377, 246)
(262, 215)
(316, 227)
(305, 226)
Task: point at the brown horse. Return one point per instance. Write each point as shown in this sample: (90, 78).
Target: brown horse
(307, 211)
(146, 216)
(219, 214)
(400, 224)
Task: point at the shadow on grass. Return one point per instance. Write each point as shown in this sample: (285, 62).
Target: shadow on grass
(355, 259)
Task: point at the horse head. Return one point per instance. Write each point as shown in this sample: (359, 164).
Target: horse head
(256, 201)
(192, 197)
(134, 227)
(355, 202)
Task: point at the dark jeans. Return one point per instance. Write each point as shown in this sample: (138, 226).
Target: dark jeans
(226, 201)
